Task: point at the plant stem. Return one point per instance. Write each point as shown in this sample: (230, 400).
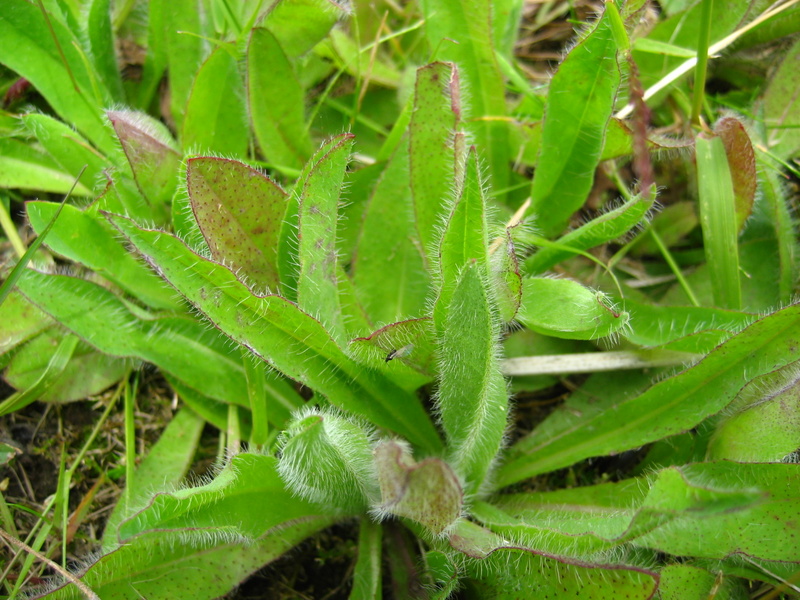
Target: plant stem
(674, 266)
(701, 68)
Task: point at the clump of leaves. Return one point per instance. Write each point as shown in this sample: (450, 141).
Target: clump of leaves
(402, 304)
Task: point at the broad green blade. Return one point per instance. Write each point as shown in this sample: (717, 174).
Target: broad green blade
(26, 167)
(276, 102)
(68, 148)
(723, 532)
(319, 190)
(782, 106)
(434, 122)
(202, 542)
(87, 238)
(777, 207)
(102, 319)
(388, 267)
(461, 31)
(763, 423)
(239, 211)
(667, 408)
(298, 25)
(59, 359)
(409, 343)
(718, 220)
(20, 321)
(186, 29)
(87, 373)
(278, 331)
(214, 118)
(102, 50)
(506, 278)
(539, 575)
(472, 400)
(8, 285)
(29, 50)
(566, 309)
(465, 238)
(683, 328)
(579, 105)
(164, 466)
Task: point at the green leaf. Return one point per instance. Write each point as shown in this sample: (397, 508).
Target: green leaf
(465, 238)
(298, 25)
(319, 189)
(427, 492)
(20, 321)
(87, 373)
(29, 49)
(68, 148)
(367, 573)
(102, 319)
(579, 105)
(18, 270)
(763, 423)
(776, 206)
(603, 229)
(669, 407)
(407, 342)
(434, 121)
(23, 166)
(190, 542)
(782, 106)
(588, 521)
(721, 533)
(506, 278)
(185, 26)
(215, 115)
(566, 309)
(276, 101)
(87, 238)
(164, 466)
(388, 268)
(239, 211)
(682, 328)
(100, 36)
(540, 575)
(59, 359)
(472, 400)
(718, 220)
(687, 582)
(151, 153)
(460, 31)
(278, 331)
(327, 458)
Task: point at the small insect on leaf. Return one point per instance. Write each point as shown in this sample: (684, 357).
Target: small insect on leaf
(400, 352)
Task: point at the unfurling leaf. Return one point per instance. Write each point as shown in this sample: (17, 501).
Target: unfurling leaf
(427, 492)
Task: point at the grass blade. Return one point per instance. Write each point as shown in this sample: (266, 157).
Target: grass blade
(718, 221)
(16, 272)
(669, 407)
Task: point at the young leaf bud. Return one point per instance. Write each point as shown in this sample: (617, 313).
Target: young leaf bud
(326, 457)
(427, 492)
